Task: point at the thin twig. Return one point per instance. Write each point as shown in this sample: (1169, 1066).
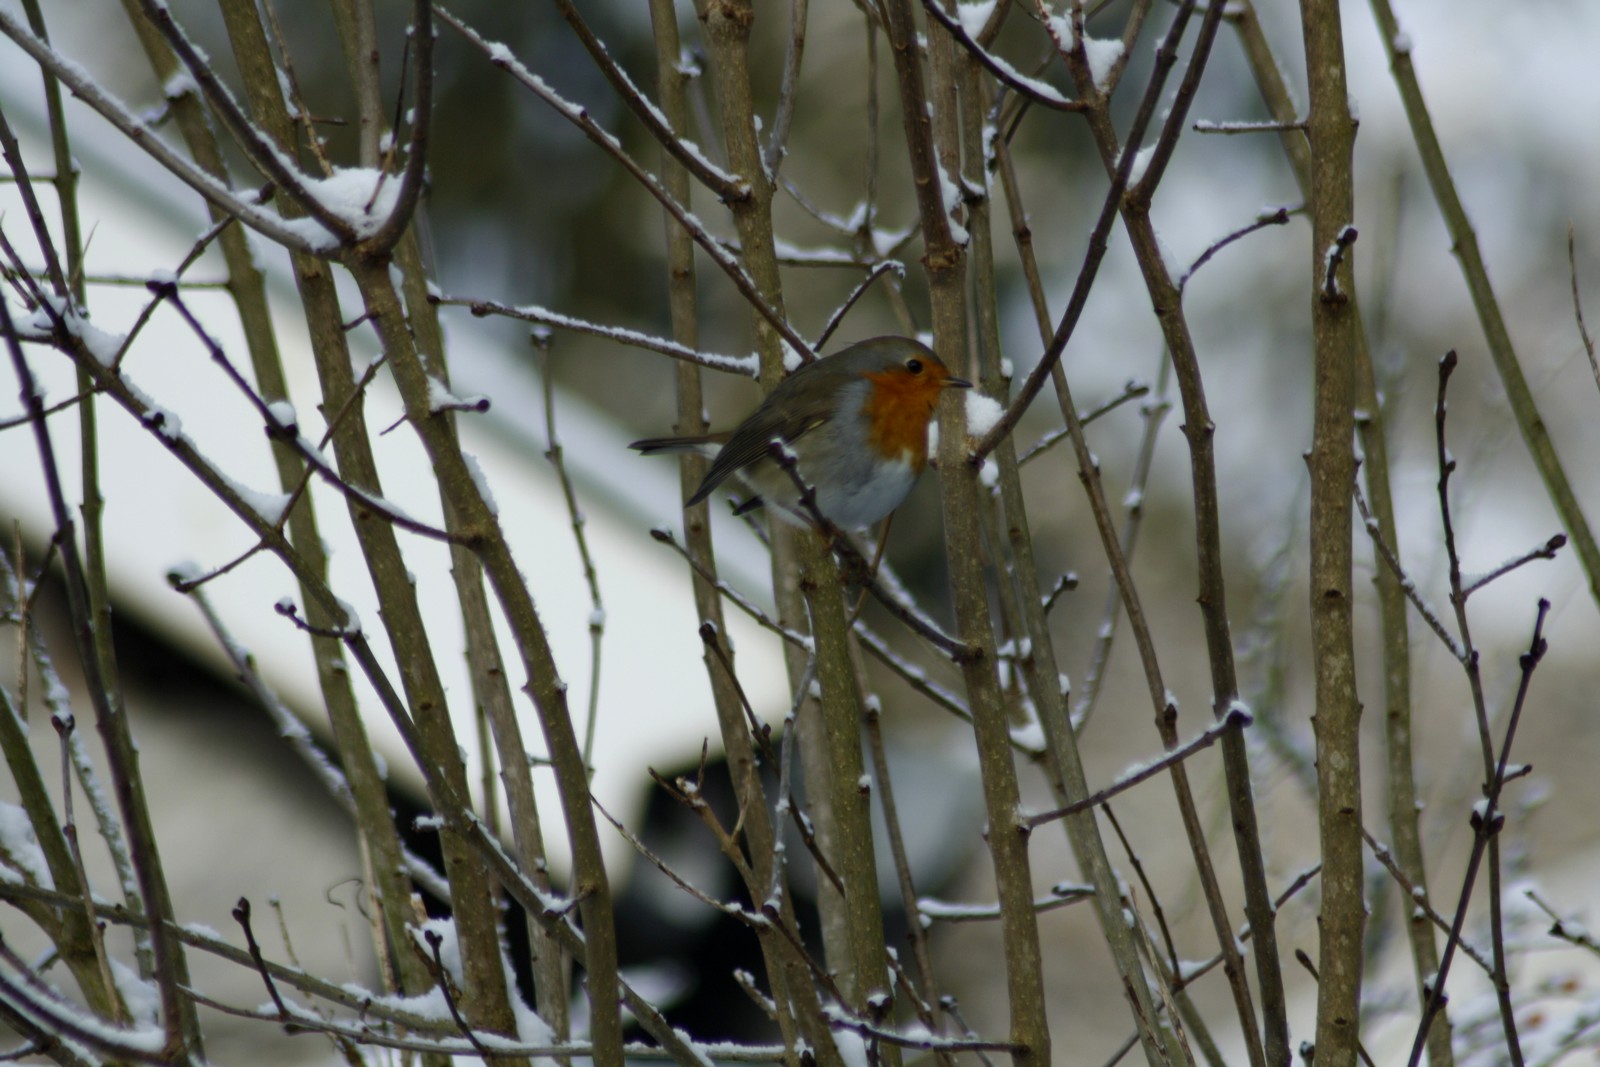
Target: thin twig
(1278, 217)
(279, 431)
(1034, 91)
(591, 576)
(1416, 898)
(1545, 551)
(877, 271)
(442, 975)
(580, 117)
(724, 186)
(1133, 390)
(1235, 718)
(1577, 306)
(1311, 968)
(241, 915)
(742, 365)
(1486, 823)
(1426, 610)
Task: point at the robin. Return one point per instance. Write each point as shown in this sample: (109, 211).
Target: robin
(856, 420)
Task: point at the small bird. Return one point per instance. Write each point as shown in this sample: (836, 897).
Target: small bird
(857, 421)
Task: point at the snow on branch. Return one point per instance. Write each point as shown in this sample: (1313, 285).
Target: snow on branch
(1040, 92)
(747, 366)
(268, 223)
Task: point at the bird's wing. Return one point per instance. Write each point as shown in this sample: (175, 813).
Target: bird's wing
(785, 418)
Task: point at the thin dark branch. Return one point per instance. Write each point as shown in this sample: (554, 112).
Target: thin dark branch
(420, 38)
(119, 748)
(1415, 897)
(140, 133)
(1311, 968)
(858, 568)
(580, 117)
(241, 915)
(19, 420)
(1547, 550)
(1487, 820)
(12, 153)
(442, 976)
(878, 271)
(1571, 932)
(1577, 306)
(277, 167)
(288, 434)
(1031, 89)
(1065, 583)
(1133, 390)
(741, 365)
(1149, 890)
(1235, 718)
(788, 92)
(1429, 615)
(726, 187)
(1098, 243)
(1278, 217)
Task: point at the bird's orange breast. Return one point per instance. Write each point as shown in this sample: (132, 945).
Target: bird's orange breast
(897, 411)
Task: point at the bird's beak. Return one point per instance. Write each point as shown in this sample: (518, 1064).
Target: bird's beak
(956, 383)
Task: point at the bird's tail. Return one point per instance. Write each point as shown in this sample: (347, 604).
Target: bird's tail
(707, 444)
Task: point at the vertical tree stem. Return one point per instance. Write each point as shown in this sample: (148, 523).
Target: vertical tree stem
(1404, 816)
(1337, 720)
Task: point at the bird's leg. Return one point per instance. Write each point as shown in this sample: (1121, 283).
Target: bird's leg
(872, 569)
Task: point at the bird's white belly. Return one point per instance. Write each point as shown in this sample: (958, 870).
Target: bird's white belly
(856, 504)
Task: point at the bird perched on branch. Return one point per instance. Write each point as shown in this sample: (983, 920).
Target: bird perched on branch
(856, 423)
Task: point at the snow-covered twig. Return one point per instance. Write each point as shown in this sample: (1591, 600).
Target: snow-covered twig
(421, 38)
(177, 1015)
(1205, 126)
(935, 910)
(1409, 587)
(289, 435)
(114, 111)
(1099, 235)
(725, 186)
(743, 365)
(1031, 89)
(839, 1020)
(1418, 899)
(1547, 550)
(267, 157)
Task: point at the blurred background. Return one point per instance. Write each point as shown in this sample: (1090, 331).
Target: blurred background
(522, 209)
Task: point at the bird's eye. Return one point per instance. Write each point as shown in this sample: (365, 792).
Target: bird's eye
(914, 365)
